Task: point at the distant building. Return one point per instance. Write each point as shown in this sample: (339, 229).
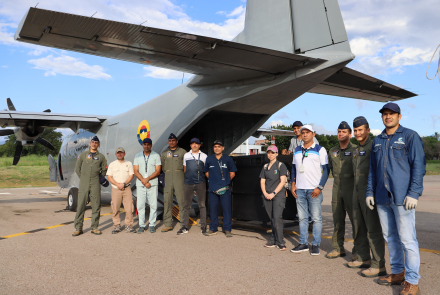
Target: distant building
(253, 150)
(261, 142)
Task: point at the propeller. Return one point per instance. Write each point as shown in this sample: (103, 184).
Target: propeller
(19, 147)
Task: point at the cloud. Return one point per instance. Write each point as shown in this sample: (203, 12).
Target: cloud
(376, 132)
(319, 129)
(7, 38)
(275, 123)
(237, 11)
(5, 67)
(283, 115)
(161, 73)
(360, 104)
(67, 65)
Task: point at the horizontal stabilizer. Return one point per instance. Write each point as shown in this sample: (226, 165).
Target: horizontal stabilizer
(352, 84)
(214, 60)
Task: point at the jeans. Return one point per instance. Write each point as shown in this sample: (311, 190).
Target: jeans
(304, 202)
(399, 231)
(226, 203)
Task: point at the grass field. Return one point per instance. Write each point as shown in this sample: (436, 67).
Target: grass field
(31, 171)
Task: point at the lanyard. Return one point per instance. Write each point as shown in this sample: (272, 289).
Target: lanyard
(198, 168)
(305, 153)
(221, 170)
(146, 162)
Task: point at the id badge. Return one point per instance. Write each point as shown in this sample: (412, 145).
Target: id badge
(301, 169)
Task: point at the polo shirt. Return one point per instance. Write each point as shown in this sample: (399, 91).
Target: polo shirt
(272, 176)
(152, 161)
(195, 164)
(213, 165)
(317, 157)
(120, 171)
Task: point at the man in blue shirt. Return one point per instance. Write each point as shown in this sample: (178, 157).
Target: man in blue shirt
(395, 183)
(220, 170)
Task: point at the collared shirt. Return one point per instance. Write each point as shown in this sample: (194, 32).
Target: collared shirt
(194, 163)
(120, 171)
(272, 176)
(397, 167)
(294, 143)
(212, 165)
(311, 177)
(152, 160)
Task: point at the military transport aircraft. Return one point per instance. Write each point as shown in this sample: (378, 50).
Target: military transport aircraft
(287, 48)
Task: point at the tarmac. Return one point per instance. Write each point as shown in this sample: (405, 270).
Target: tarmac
(40, 256)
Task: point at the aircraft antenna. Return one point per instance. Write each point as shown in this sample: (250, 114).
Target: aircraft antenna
(37, 4)
(438, 68)
(94, 14)
(143, 23)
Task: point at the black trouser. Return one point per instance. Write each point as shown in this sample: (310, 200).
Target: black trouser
(274, 209)
(200, 190)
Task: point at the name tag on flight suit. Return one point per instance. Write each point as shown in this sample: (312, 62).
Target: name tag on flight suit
(347, 153)
(362, 153)
(175, 155)
(95, 158)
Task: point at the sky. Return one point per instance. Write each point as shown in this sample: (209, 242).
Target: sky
(392, 40)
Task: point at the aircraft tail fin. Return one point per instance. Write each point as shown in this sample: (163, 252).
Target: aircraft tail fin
(293, 26)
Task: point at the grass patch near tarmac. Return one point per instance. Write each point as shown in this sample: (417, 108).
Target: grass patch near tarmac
(31, 171)
(433, 167)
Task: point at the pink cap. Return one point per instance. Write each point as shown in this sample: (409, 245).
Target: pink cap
(272, 148)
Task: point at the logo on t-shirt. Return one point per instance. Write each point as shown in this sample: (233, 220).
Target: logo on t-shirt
(275, 171)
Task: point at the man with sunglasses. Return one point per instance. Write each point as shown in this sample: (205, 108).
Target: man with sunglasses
(309, 174)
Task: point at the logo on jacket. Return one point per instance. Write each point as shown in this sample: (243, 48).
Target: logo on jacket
(335, 153)
(143, 131)
(400, 141)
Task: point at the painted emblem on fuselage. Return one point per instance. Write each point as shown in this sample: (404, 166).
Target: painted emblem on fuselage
(143, 131)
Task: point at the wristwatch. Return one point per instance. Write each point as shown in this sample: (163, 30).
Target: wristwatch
(320, 187)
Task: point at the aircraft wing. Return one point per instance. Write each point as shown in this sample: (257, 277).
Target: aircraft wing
(353, 84)
(214, 60)
(43, 119)
(269, 131)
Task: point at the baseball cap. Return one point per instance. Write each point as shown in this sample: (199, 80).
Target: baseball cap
(147, 140)
(272, 148)
(196, 140)
(391, 106)
(120, 149)
(218, 142)
(308, 127)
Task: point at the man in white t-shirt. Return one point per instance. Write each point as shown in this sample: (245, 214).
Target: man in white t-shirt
(120, 174)
(309, 174)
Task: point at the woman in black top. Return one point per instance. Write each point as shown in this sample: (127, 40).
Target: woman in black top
(273, 177)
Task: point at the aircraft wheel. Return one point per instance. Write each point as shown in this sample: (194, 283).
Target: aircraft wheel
(72, 199)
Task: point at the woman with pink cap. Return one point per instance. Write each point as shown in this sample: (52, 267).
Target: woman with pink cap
(273, 177)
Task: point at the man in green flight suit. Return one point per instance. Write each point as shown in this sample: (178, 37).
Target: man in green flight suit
(172, 166)
(91, 168)
(340, 163)
(366, 222)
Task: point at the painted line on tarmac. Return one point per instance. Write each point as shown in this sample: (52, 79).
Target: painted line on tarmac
(46, 228)
(324, 237)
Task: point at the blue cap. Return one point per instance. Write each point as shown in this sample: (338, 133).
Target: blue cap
(147, 140)
(390, 106)
(359, 121)
(95, 138)
(297, 123)
(104, 182)
(172, 136)
(196, 140)
(219, 142)
(344, 125)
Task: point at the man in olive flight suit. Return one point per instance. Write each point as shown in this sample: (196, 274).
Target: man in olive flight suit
(172, 166)
(366, 223)
(340, 159)
(90, 166)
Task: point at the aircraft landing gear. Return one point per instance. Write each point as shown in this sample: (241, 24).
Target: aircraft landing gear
(72, 199)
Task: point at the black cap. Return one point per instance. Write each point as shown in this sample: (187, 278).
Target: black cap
(95, 138)
(297, 123)
(218, 142)
(390, 106)
(104, 182)
(195, 139)
(344, 125)
(359, 121)
(147, 140)
(172, 136)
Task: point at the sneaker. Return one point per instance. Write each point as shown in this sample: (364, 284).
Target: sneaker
(141, 230)
(269, 245)
(152, 229)
(335, 254)
(96, 231)
(281, 247)
(167, 228)
(228, 234)
(116, 229)
(374, 272)
(77, 233)
(409, 289)
(315, 250)
(392, 279)
(129, 229)
(182, 231)
(210, 233)
(300, 248)
(203, 230)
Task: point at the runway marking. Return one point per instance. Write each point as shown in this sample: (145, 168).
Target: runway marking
(49, 192)
(49, 227)
(5, 193)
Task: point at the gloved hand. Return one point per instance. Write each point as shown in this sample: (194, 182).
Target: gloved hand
(410, 203)
(370, 202)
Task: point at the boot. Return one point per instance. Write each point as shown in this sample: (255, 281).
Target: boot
(392, 279)
(335, 254)
(409, 289)
(358, 264)
(374, 272)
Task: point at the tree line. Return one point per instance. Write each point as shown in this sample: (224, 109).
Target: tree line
(49, 134)
(431, 144)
